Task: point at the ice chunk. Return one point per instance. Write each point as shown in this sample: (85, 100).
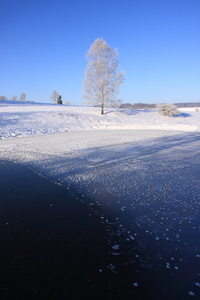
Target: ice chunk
(191, 293)
(115, 247)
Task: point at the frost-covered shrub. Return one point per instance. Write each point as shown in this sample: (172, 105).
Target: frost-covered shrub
(166, 109)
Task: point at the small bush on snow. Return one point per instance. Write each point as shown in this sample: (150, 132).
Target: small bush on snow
(166, 109)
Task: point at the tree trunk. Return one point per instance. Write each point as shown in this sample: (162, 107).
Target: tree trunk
(102, 109)
(102, 104)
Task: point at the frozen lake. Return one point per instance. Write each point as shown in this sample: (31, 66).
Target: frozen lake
(148, 196)
(144, 191)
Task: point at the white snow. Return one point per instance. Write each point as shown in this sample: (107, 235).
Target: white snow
(27, 119)
(41, 134)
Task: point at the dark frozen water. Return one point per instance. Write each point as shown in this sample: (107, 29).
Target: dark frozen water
(126, 227)
(51, 246)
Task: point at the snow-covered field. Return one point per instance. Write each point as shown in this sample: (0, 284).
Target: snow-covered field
(31, 132)
(25, 119)
(137, 170)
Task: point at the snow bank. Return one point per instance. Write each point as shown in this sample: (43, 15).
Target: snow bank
(27, 119)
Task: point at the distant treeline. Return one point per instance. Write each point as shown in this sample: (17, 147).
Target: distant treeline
(152, 106)
(188, 104)
(138, 106)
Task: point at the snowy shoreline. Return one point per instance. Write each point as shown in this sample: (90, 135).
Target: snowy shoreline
(33, 133)
(30, 119)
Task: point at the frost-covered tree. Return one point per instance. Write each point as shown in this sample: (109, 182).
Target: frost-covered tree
(2, 97)
(102, 81)
(54, 96)
(22, 97)
(166, 109)
(13, 98)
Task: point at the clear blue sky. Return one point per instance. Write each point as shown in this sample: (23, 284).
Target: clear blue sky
(44, 42)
